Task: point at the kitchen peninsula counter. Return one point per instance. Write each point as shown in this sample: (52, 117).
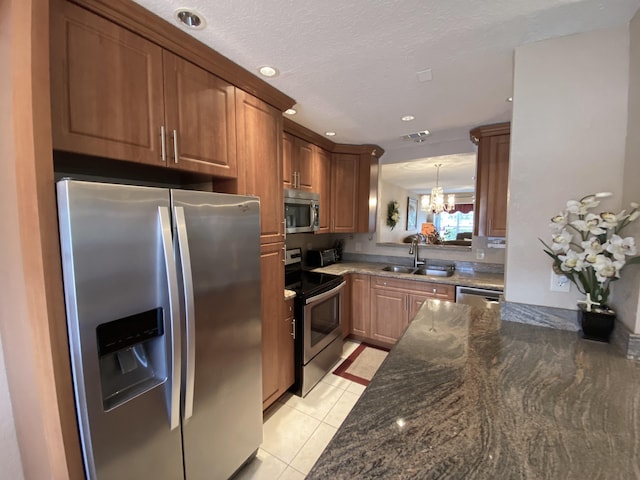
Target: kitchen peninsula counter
(463, 395)
(493, 281)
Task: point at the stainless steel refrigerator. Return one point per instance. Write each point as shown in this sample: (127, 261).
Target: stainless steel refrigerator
(162, 291)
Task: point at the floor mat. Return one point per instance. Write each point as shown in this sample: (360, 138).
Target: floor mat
(362, 364)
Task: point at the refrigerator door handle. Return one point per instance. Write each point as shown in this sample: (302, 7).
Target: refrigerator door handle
(172, 283)
(187, 281)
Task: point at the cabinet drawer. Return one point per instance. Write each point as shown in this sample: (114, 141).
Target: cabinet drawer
(387, 282)
(437, 290)
(430, 289)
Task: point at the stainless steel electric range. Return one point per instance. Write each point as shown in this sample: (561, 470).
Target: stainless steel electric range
(318, 321)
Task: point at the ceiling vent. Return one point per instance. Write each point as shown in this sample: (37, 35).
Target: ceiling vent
(417, 137)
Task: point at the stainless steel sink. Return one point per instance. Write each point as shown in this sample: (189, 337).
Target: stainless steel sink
(436, 271)
(398, 269)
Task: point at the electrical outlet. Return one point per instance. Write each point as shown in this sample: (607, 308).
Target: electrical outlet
(479, 253)
(559, 283)
(358, 247)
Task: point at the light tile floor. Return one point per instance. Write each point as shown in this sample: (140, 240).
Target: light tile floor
(296, 430)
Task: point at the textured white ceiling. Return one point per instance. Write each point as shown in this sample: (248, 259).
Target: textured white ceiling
(351, 65)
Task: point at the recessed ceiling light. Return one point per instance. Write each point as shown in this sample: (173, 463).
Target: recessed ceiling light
(190, 18)
(509, 99)
(290, 111)
(268, 71)
(408, 118)
(330, 134)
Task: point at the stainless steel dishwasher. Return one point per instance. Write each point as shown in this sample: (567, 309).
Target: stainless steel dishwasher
(479, 297)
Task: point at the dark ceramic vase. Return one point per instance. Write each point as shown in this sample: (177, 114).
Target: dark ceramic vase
(597, 324)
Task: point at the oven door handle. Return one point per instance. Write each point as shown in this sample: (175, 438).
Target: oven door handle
(324, 295)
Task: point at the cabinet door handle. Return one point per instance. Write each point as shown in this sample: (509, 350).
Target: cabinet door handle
(163, 143)
(175, 146)
(284, 256)
(293, 328)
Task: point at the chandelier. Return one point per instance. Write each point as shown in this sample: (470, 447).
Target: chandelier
(435, 203)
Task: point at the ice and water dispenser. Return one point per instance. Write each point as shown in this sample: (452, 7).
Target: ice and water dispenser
(132, 356)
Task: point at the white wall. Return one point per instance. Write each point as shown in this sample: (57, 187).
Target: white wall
(567, 140)
(388, 192)
(10, 465)
(626, 291)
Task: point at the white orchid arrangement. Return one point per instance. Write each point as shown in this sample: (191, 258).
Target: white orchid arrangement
(588, 248)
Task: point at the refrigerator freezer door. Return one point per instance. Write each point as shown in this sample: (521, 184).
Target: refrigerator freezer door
(223, 239)
(119, 306)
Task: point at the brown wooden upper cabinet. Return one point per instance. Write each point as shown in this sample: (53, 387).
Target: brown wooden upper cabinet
(345, 176)
(260, 158)
(288, 172)
(344, 192)
(492, 179)
(117, 95)
(354, 184)
(300, 174)
(322, 186)
(200, 118)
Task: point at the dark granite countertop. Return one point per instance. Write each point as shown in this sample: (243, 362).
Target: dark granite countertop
(463, 395)
(493, 281)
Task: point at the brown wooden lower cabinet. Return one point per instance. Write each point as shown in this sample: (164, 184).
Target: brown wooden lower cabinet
(388, 314)
(382, 307)
(273, 314)
(285, 347)
(346, 307)
(415, 302)
(360, 286)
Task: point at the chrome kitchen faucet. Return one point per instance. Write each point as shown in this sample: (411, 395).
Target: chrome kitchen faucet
(413, 250)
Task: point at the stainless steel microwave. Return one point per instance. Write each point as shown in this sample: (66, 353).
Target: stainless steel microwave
(301, 211)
